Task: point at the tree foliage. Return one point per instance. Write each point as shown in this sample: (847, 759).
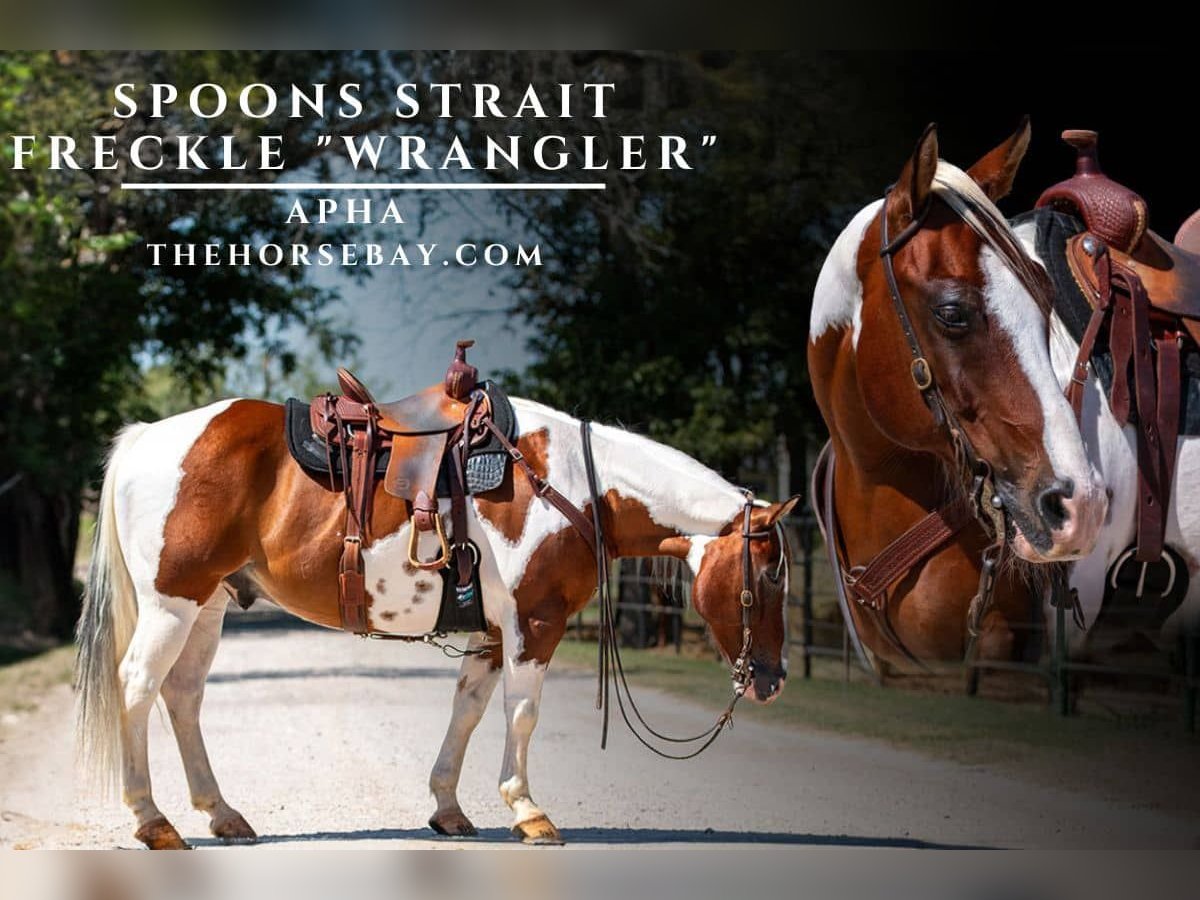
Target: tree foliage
(82, 309)
(678, 301)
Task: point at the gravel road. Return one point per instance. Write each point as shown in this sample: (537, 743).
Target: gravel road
(319, 737)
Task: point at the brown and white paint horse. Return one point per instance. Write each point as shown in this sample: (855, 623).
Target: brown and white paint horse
(191, 499)
(986, 338)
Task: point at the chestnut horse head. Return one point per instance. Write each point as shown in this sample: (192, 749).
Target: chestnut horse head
(732, 564)
(954, 352)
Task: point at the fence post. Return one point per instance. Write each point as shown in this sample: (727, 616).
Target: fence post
(1061, 671)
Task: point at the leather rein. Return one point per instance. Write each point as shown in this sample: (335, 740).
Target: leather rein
(611, 671)
(869, 584)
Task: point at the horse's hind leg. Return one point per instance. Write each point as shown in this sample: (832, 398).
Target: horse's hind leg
(183, 692)
(162, 630)
(476, 682)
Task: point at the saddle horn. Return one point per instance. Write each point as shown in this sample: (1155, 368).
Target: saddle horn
(461, 376)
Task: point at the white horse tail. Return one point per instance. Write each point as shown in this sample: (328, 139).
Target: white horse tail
(104, 632)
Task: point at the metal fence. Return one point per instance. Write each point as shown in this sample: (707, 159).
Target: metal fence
(649, 616)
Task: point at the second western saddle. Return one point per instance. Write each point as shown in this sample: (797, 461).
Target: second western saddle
(1145, 294)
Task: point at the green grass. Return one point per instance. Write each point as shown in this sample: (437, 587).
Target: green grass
(24, 678)
(971, 730)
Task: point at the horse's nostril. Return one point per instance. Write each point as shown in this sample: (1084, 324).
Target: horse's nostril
(1052, 503)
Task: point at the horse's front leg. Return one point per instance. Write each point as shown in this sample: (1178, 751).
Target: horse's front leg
(524, 673)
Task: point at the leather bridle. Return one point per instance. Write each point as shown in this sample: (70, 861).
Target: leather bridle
(612, 671)
(868, 584)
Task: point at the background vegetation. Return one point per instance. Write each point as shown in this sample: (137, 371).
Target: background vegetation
(678, 304)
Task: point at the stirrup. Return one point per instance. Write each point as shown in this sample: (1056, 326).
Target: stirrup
(414, 539)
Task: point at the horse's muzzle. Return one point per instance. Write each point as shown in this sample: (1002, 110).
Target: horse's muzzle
(1062, 521)
(765, 684)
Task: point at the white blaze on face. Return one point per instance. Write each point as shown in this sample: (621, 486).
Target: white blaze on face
(837, 298)
(1010, 305)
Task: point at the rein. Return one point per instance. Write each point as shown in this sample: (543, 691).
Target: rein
(611, 678)
(611, 669)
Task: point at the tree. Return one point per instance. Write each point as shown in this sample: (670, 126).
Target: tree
(678, 302)
(82, 309)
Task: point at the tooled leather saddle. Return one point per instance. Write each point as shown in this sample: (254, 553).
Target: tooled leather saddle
(448, 441)
(1144, 298)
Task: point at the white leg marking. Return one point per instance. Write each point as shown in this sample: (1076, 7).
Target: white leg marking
(145, 492)
(522, 694)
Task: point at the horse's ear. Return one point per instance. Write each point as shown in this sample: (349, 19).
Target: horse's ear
(777, 511)
(915, 184)
(997, 170)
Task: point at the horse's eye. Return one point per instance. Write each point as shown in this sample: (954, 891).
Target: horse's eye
(953, 316)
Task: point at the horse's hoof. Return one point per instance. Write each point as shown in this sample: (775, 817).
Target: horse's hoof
(159, 834)
(538, 830)
(452, 824)
(234, 830)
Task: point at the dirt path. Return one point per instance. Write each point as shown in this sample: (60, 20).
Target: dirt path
(320, 737)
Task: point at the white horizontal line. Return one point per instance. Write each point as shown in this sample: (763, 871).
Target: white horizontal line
(360, 186)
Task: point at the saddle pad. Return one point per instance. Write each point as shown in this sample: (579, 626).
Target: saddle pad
(486, 463)
(1053, 231)
(308, 450)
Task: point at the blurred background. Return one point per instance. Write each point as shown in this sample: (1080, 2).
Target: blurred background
(674, 303)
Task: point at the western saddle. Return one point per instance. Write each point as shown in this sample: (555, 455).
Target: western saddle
(1145, 292)
(431, 441)
(421, 432)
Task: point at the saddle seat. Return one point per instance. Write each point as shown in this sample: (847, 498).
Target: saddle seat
(428, 412)
(416, 429)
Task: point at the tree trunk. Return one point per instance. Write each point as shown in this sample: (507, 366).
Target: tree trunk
(38, 535)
